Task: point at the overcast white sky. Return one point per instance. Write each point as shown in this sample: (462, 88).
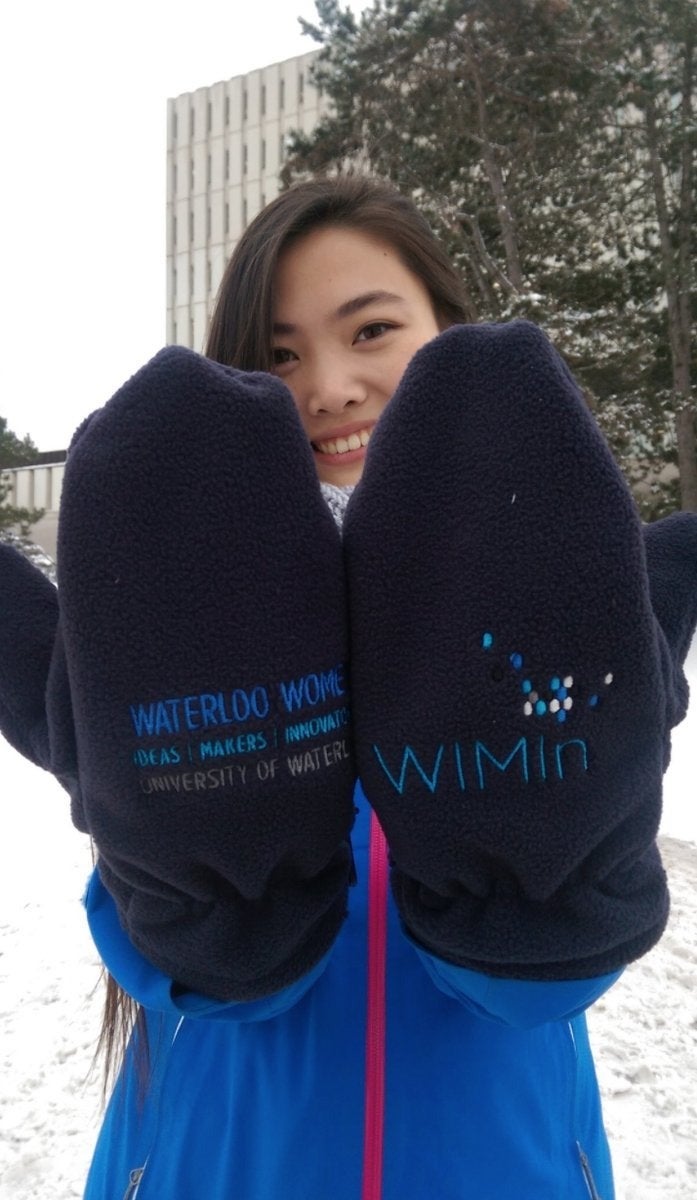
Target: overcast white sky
(83, 90)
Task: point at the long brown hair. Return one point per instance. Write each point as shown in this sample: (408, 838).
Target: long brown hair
(240, 336)
(122, 1018)
(240, 329)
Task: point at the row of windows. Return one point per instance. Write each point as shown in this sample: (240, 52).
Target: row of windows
(192, 280)
(245, 107)
(226, 223)
(209, 279)
(226, 166)
(177, 329)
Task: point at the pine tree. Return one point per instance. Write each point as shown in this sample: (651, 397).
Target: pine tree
(448, 101)
(15, 452)
(515, 127)
(656, 77)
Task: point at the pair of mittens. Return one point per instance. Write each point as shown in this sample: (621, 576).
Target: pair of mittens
(202, 645)
(514, 689)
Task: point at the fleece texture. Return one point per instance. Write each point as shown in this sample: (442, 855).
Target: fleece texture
(514, 689)
(28, 620)
(204, 633)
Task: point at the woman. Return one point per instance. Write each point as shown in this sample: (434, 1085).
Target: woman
(302, 1033)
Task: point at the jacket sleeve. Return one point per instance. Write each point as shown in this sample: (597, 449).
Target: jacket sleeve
(518, 1003)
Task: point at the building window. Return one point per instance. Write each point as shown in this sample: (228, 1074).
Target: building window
(281, 147)
(174, 235)
(191, 332)
(209, 117)
(227, 110)
(175, 126)
(244, 158)
(208, 223)
(227, 217)
(209, 170)
(227, 164)
(191, 226)
(245, 105)
(174, 285)
(174, 179)
(244, 213)
(263, 99)
(209, 277)
(191, 280)
(192, 176)
(174, 333)
(263, 154)
(301, 87)
(192, 121)
(282, 94)
(263, 199)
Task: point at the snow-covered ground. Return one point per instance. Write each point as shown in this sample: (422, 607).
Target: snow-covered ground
(644, 1030)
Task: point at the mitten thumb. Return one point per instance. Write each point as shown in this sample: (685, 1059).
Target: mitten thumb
(35, 707)
(671, 562)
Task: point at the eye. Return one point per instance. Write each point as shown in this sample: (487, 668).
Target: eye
(374, 330)
(279, 356)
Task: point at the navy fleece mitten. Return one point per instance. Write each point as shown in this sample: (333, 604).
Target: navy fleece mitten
(28, 621)
(513, 687)
(202, 618)
(671, 563)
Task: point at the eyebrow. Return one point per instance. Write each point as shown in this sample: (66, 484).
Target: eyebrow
(348, 308)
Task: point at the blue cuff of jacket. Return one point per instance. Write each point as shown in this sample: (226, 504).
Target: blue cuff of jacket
(519, 1003)
(156, 991)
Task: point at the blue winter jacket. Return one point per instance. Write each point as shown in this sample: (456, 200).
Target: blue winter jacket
(490, 1089)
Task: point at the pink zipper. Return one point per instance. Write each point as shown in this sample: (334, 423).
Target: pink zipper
(375, 1024)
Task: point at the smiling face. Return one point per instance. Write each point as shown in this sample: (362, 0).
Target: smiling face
(347, 318)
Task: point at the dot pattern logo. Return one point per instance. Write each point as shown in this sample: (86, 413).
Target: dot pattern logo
(556, 695)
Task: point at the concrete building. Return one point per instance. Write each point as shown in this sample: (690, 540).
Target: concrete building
(38, 486)
(225, 150)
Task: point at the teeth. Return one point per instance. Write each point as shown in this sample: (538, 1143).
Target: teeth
(343, 445)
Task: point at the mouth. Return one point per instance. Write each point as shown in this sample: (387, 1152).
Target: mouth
(339, 447)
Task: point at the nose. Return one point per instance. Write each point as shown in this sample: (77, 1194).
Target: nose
(332, 388)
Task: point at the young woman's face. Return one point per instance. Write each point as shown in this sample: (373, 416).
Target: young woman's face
(348, 317)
